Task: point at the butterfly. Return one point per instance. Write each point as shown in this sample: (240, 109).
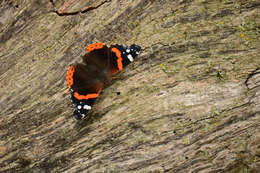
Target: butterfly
(100, 63)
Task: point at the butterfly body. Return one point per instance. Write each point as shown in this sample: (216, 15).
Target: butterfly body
(87, 79)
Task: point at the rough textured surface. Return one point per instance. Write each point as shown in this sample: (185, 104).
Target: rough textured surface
(190, 103)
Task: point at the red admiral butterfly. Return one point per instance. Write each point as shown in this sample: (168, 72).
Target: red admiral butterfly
(87, 79)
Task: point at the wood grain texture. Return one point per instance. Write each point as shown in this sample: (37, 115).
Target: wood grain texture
(190, 103)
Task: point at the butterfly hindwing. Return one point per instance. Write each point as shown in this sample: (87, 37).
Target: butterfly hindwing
(87, 79)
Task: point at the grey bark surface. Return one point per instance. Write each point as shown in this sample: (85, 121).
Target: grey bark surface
(190, 103)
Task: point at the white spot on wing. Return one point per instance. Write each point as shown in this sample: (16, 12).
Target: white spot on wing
(87, 107)
(127, 50)
(137, 53)
(130, 57)
(79, 106)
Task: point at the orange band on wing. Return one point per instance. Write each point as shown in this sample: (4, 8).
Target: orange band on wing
(88, 96)
(70, 76)
(119, 58)
(94, 46)
(85, 97)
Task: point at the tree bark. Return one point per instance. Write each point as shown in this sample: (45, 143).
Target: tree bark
(190, 103)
